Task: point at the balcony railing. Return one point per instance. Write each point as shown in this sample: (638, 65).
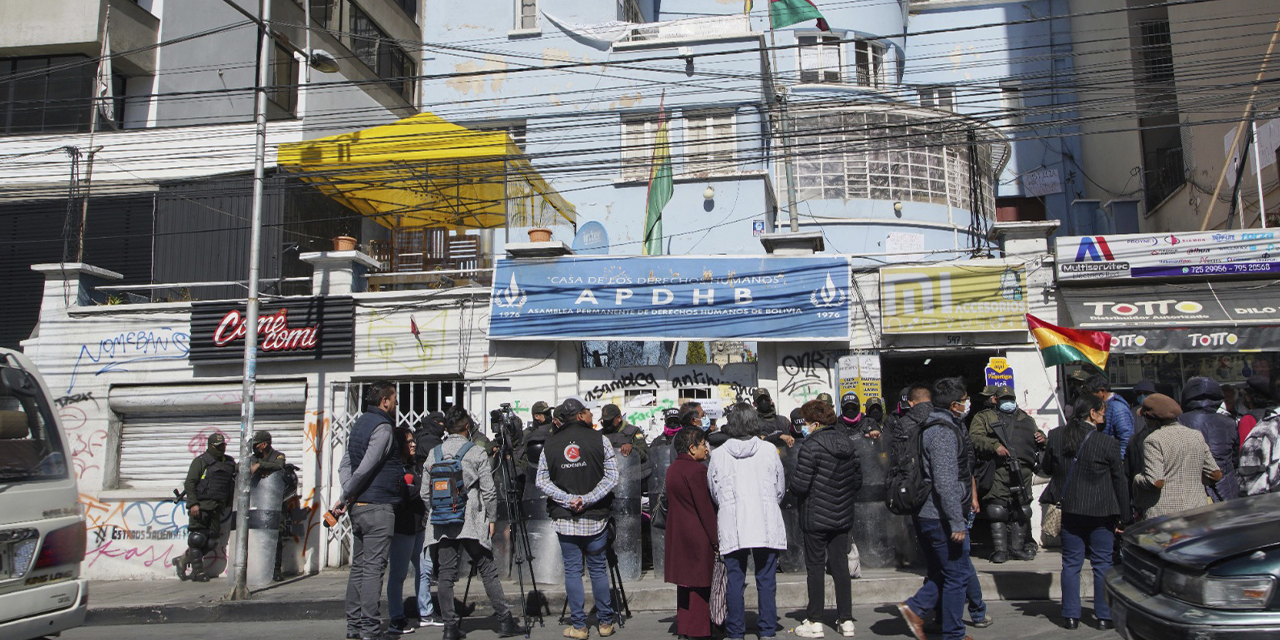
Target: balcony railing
(708, 27)
(428, 257)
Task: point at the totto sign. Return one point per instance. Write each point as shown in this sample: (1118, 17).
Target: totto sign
(274, 333)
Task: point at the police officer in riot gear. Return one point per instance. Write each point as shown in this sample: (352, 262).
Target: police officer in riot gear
(210, 484)
(626, 438)
(1007, 443)
(267, 460)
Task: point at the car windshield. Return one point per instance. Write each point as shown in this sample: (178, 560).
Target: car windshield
(30, 449)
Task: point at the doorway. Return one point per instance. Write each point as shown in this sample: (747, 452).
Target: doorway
(900, 370)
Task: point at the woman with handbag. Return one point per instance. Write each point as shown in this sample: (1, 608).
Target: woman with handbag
(1093, 493)
(691, 538)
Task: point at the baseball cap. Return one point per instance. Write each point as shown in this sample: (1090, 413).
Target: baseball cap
(609, 412)
(760, 393)
(540, 407)
(826, 397)
(848, 397)
(1002, 391)
(216, 439)
(1080, 375)
(261, 436)
(569, 408)
(670, 416)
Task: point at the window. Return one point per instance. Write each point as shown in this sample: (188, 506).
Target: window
(376, 49)
(886, 156)
(519, 131)
(526, 14)
(943, 98)
(326, 13)
(410, 7)
(820, 58)
(638, 133)
(869, 58)
(1155, 52)
(628, 11)
(1011, 106)
(284, 79)
(46, 94)
(709, 143)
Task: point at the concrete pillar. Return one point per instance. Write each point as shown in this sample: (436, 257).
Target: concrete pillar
(339, 273)
(72, 284)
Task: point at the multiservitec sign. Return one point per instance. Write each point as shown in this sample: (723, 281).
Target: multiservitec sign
(317, 328)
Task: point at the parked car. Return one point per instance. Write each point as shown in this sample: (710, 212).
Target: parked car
(1205, 574)
(42, 530)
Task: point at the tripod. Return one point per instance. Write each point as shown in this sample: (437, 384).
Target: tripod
(519, 538)
(617, 586)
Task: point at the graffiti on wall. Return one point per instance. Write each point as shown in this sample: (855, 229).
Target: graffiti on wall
(143, 534)
(408, 341)
(118, 352)
(807, 374)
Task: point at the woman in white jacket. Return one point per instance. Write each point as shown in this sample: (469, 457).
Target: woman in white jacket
(748, 483)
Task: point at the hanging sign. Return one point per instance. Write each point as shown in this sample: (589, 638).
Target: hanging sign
(292, 329)
(771, 298)
(1168, 255)
(999, 372)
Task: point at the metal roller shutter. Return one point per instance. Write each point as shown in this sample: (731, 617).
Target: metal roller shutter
(158, 441)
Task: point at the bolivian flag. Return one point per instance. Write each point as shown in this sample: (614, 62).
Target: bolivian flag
(1060, 345)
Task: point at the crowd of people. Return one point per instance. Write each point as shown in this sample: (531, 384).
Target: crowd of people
(419, 500)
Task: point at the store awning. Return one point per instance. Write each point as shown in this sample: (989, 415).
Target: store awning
(1200, 304)
(426, 171)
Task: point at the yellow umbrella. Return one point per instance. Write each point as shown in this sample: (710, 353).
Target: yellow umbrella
(426, 171)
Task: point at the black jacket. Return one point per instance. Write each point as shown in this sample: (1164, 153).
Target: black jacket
(826, 479)
(1221, 434)
(1098, 487)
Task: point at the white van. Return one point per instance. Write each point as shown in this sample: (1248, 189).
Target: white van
(42, 530)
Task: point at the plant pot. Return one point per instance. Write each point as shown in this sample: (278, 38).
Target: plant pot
(344, 243)
(539, 234)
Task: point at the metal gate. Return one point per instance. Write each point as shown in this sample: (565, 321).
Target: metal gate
(414, 400)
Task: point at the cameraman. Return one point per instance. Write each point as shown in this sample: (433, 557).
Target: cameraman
(535, 435)
(1007, 443)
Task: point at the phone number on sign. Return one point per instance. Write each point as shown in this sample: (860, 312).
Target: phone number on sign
(1227, 268)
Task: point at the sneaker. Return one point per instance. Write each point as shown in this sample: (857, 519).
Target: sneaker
(432, 620)
(846, 628)
(606, 630)
(576, 633)
(400, 626)
(809, 629)
(984, 622)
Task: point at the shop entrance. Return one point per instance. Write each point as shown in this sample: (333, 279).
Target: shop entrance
(901, 370)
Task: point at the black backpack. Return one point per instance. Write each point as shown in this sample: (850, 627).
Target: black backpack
(906, 486)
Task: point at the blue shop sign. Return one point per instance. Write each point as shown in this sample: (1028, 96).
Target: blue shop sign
(671, 298)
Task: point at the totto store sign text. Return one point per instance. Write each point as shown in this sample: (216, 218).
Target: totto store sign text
(274, 333)
(1146, 308)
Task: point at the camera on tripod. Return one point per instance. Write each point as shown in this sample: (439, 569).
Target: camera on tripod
(505, 424)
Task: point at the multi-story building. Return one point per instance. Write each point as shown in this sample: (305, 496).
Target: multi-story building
(1171, 96)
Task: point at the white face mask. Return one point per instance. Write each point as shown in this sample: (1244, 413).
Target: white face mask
(968, 404)
(1008, 406)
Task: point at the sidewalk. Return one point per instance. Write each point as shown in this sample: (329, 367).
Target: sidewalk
(321, 596)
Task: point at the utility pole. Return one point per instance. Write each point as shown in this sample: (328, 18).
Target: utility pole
(241, 589)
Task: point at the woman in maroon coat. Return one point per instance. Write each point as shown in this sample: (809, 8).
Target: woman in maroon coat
(691, 534)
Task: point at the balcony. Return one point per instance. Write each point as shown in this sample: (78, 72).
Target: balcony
(707, 28)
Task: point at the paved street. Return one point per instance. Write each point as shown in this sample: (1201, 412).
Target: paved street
(1028, 620)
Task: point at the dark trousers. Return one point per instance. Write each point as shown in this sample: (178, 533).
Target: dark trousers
(693, 611)
(948, 568)
(372, 526)
(1095, 537)
(735, 565)
(449, 559)
(828, 550)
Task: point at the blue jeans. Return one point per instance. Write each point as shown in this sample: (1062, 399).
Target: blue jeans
(948, 570)
(1081, 535)
(735, 564)
(574, 549)
(407, 551)
(972, 594)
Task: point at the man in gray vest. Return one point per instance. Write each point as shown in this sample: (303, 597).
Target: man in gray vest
(577, 471)
(372, 476)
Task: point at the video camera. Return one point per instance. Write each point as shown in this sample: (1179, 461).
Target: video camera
(505, 424)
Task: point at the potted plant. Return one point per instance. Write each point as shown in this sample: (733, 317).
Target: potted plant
(344, 243)
(539, 234)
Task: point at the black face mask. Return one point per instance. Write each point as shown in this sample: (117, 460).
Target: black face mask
(765, 405)
(875, 414)
(850, 409)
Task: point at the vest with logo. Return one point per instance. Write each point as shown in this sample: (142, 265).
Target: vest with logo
(575, 462)
(388, 481)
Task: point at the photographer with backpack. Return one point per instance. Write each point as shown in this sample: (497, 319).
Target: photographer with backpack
(462, 512)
